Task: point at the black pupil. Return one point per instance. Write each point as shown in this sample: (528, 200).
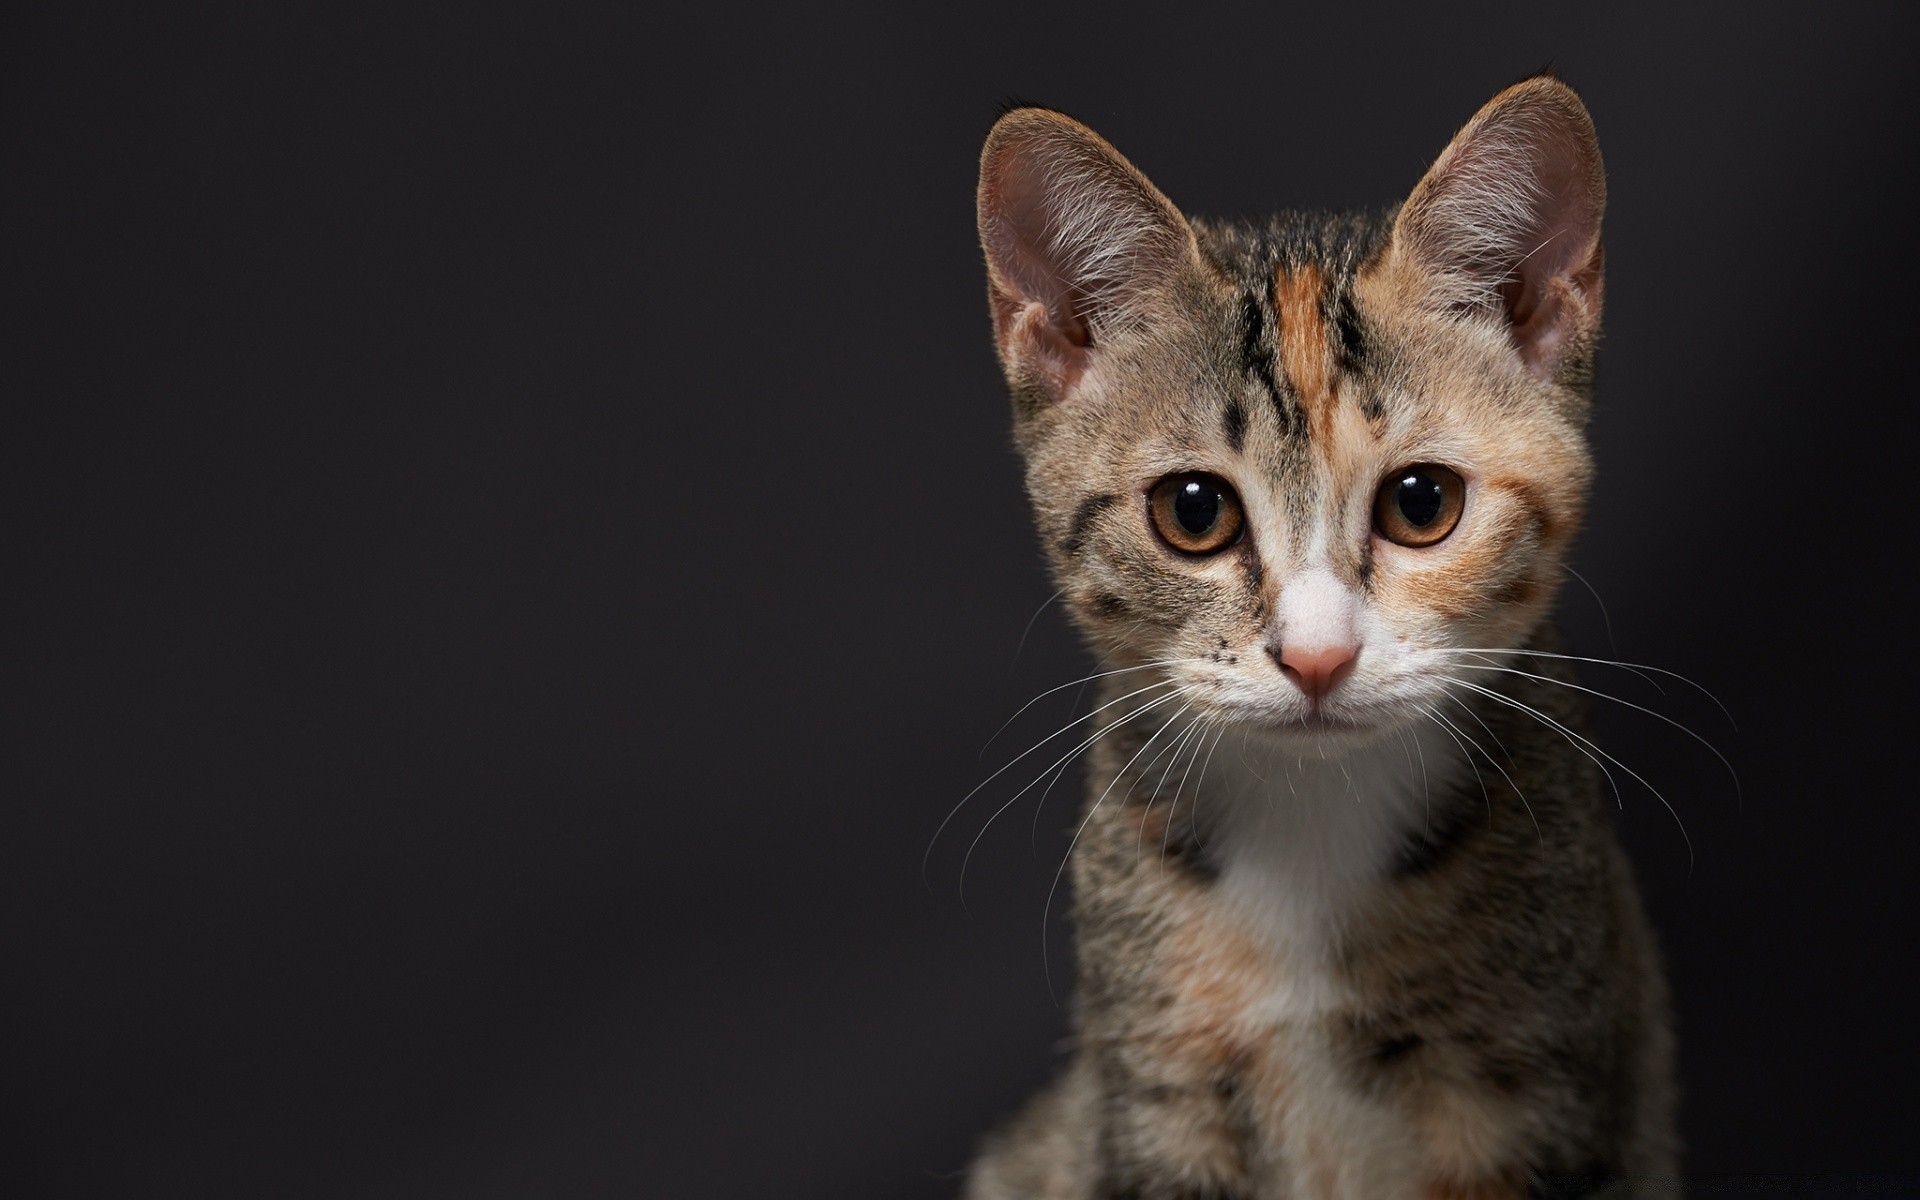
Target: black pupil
(1419, 499)
(1196, 506)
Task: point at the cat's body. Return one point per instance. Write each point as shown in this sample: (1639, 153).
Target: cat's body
(1351, 922)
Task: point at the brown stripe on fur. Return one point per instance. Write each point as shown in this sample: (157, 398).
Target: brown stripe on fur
(1305, 353)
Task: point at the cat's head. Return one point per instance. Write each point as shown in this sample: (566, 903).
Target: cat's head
(1300, 462)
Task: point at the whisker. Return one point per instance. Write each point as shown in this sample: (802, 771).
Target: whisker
(1503, 771)
(1639, 669)
(1425, 791)
(1536, 713)
(1147, 809)
(1163, 662)
(1445, 727)
(1040, 806)
(1630, 704)
(1029, 629)
(1251, 769)
(1605, 618)
(1061, 763)
(1200, 783)
(945, 821)
(1172, 754)
(1068, 856)
(1619, 801)
(1173, 809)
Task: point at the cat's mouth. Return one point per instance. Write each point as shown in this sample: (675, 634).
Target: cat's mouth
(1324, 722)
(1325, 731)
(1319, 723)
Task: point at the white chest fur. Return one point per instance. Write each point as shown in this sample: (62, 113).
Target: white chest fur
(1301, 841)
(1303, 837)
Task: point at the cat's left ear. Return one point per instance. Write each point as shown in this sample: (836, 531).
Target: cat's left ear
(1080, 247)
(1508, 219)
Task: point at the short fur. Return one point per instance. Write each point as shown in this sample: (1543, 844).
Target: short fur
(1385, 943)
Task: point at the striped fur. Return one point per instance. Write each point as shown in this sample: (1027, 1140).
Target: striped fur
(1358, 949)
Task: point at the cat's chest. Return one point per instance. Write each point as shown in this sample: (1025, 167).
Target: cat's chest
(1305, 845)
(1261, 1004)
(1301, 850)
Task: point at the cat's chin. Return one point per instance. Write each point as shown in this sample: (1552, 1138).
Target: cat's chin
(1323, 734)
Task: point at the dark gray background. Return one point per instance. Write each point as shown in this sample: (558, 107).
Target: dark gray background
(513, 546)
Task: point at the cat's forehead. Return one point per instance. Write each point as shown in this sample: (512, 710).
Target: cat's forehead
(1296, 324)
(1337, 243)
(1312, 354)
(1297, 360)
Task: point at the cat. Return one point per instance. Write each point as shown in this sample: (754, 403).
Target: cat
(1351, 916)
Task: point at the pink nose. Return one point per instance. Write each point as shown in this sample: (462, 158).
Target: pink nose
(1318, 670)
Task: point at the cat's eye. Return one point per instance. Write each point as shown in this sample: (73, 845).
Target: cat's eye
(1194, 513)
(1420, 504)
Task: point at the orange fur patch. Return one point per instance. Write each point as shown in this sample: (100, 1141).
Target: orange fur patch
(1305, 354)
(1218, 973)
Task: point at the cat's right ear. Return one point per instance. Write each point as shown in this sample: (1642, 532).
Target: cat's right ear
(1078, 244)
(1508, 220)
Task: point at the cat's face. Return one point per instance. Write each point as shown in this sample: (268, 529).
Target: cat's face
(1298, 465)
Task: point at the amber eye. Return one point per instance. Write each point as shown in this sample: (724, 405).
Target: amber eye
(1196, 514)
(1419, 505)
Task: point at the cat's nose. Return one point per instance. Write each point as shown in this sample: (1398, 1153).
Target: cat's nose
(1315, 670)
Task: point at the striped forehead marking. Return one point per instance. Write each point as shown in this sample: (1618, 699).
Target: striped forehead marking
(1301, 334)
(1305, 354)
(1256, 358)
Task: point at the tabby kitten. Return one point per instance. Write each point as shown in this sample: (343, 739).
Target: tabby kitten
(1352, 918)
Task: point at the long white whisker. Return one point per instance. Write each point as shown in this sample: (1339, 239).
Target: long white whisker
(1496, 766)
(1426, 789)
(1147, 808)
(1619, 801)
(1445, 727)
(1068, 856)
(1164, 662)
(1173, 810)
(1205, 727)
(1639, 669)
(1035, 617)
(1059, 770)
(1040, 806)
(1536, 713)
(1172, 754)
(1060, 762)
(1630, 704)
(1174, 807)
(945, 821)
(1605, 618)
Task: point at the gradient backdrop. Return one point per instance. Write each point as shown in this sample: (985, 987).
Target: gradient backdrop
(513, 546)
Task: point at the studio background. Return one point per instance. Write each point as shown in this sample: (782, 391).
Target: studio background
(514, 545)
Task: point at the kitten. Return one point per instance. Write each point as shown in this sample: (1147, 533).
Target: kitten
(1352, 919)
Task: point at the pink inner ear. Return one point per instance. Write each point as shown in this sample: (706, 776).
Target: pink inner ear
(1037, 321)
(1025, 240)
(1075, 240)
(1553, 290)
(1514, 207)
(1029, 334)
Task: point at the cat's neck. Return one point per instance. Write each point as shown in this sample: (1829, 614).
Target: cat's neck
(1300, 838)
